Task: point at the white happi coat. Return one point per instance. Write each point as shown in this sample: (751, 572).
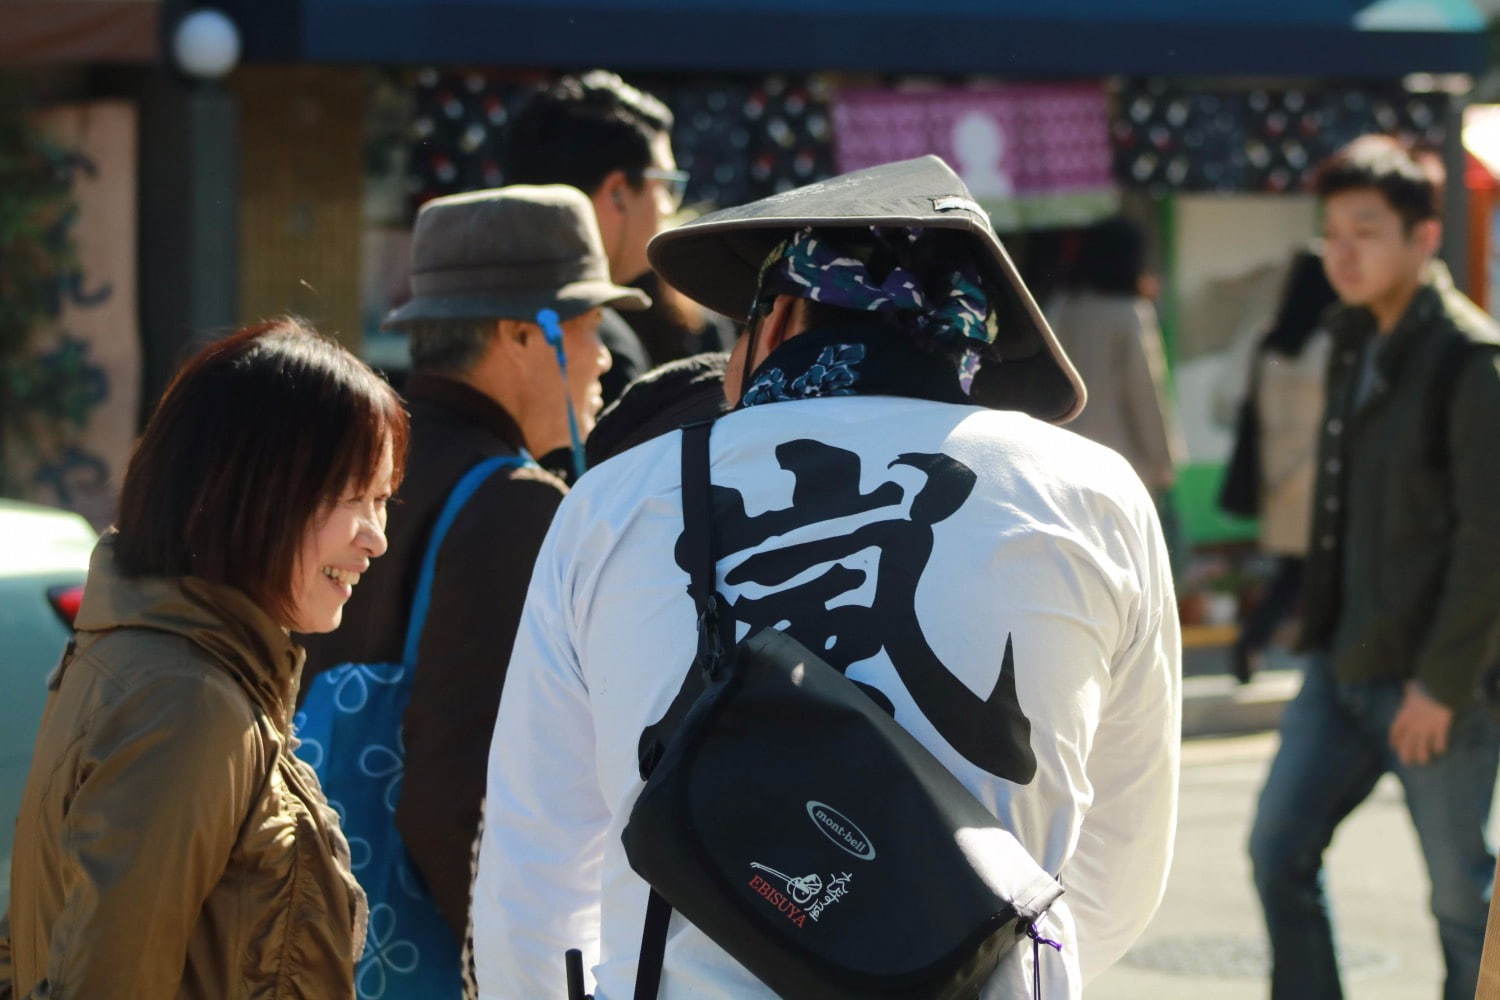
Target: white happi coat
(1055, 549)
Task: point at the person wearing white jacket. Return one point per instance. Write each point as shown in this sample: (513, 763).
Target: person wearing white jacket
(870, 507)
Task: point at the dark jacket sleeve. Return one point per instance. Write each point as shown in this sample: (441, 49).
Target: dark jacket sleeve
(1463, 634)
(478, 591)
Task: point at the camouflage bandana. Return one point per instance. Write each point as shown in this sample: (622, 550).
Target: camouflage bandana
(952, 308)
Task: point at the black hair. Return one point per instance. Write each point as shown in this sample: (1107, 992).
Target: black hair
(1111, 258)
(580, 129)
(1306, 295)
(255, 435)
(1412, 184)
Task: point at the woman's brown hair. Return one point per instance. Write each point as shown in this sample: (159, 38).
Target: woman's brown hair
(256, 435)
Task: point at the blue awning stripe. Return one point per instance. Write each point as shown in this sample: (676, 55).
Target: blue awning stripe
(1059, 39)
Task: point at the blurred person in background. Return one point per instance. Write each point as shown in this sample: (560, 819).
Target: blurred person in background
(614, 143)
(1106, 322)
(1275, 454)
(486, 384)
(169, 843)
(1402, 579)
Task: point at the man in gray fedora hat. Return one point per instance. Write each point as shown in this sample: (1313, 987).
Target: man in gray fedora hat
(486, 383)
(997, 584)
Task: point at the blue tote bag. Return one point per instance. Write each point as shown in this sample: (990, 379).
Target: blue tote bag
(350, 732)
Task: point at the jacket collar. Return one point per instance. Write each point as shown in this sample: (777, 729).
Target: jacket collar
(1413, 326)
(468, 402)
(221, 620)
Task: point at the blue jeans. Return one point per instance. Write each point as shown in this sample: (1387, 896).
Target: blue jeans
(1333, 750)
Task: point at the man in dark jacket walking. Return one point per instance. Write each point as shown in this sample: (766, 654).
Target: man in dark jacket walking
(1403, 577)
(485, 382)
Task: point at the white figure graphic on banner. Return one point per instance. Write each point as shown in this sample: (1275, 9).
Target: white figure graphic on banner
(979, 146)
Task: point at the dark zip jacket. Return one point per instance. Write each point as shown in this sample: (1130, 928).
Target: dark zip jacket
(1403, 573)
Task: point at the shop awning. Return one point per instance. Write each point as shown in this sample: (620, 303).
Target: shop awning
(1321, 38)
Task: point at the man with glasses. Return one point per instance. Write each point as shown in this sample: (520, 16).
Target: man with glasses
(613, 142)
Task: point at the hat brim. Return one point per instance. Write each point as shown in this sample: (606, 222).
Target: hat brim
(569, 301)
(716, 260)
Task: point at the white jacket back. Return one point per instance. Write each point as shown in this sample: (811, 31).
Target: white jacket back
(868, 523)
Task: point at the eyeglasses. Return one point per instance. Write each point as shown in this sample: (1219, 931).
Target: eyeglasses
(673, 183)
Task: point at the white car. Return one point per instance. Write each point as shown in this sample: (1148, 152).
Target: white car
(44, 559)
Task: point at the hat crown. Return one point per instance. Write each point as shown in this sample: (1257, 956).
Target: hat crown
(519, 236)
(505, 253)
(716, 260)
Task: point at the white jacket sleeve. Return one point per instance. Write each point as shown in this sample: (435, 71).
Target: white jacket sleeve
(1116, 877)
(537, 891)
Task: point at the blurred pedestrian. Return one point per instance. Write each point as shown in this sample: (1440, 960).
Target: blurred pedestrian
(169, 844)
(1274, 461)
(998, 585)
(1107, 324)
(614, 143)
(487, 391)
(1402, 577)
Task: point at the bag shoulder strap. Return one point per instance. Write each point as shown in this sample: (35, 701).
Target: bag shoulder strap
(698, 551)
(653, 947)
(457, 498)
(697, 513)
(715, 634)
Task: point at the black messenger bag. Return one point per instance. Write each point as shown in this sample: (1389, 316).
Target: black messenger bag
(807, 834)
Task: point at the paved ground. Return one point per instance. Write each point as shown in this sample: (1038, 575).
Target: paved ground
(1207, 941)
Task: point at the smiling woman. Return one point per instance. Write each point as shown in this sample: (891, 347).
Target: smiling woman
(169, 843)
(217, 490)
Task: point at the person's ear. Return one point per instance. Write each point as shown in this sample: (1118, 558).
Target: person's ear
(784, 320)
(613, 188)
(512, 331)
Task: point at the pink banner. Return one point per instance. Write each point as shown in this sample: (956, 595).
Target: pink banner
(1009, 141)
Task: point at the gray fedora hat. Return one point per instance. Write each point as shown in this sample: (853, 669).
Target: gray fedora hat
(505, 253)
(716, 260)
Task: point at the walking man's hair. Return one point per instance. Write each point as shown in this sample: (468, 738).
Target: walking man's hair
(580, 129)
(1412, 184)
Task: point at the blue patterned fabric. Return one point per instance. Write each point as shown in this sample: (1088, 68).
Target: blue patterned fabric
(833, 374)
(853, 360)
(350, 733)
(948, 306)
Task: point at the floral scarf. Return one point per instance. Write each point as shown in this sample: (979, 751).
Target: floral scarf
(859, 360)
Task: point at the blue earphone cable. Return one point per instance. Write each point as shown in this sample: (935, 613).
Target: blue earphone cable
(552, 330)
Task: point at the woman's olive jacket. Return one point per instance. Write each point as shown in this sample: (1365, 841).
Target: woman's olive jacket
(169, 843)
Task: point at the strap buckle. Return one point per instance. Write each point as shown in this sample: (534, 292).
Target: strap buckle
(710, 637)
